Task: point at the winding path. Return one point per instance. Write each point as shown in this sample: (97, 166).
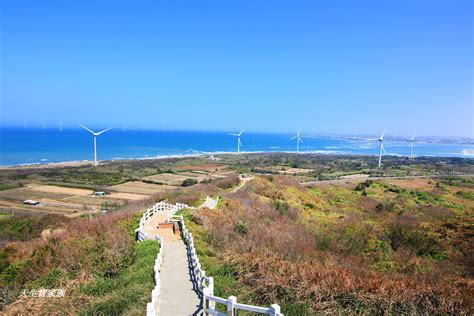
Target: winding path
(243, 182)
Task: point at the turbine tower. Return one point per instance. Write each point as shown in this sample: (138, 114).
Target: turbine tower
(94, 135)
(239, 143)
(381, 148)
(412, 140)
(298, 141)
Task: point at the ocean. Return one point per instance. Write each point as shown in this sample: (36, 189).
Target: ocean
(35, 145)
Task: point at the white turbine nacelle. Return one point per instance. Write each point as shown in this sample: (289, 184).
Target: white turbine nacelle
(94, 135)
(298, 141)
(239, 143)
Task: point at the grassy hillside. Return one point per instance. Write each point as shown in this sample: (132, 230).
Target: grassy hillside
(98, 262)
(24, 227)
(391, 246)
(377, 247)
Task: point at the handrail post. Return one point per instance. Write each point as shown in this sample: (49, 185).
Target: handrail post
(230, 305)
(211, 291)
(150, 310)
(275, 310)
(205, 293)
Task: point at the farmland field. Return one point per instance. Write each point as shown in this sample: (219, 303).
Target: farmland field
(139, 187)
(317, 234)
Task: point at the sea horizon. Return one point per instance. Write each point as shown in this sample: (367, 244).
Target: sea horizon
(20, 146)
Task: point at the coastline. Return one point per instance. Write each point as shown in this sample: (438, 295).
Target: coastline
(81, 163)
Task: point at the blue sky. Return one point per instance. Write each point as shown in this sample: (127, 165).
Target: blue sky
(346, 67)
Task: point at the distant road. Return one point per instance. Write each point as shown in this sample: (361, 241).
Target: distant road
(381, 178)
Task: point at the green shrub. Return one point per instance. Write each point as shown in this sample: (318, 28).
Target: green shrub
(14, 272)
(241, 228)
(352, 239)
(323, 240)
(281, 206)
(189, 182)
(468, 195)
(363, 185)
(297, 308)
(407, 234)
(52, 279)
(424, 198)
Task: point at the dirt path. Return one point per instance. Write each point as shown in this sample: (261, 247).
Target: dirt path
(243, 182)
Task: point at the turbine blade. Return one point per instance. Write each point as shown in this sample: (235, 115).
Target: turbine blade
(233, 134)
(240, 143)
(101, 132)
(86, 128)
(293, 138)
(381, 136)
(300, 140)
(241, 132)
(383, 148)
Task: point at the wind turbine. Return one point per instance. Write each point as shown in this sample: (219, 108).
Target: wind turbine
(94, 135)
(60, 126)
(412, 140)
(381, 148)
(298, 140)
(239, 143)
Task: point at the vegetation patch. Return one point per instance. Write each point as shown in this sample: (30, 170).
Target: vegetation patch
(381, 254)
(98, 262)
(26, 227)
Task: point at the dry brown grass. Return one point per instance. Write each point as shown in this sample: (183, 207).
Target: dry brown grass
(83, 248)
(329, 288)
(374, 259)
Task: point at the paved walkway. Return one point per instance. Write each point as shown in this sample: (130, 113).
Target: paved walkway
(210, 203)
(178, 294)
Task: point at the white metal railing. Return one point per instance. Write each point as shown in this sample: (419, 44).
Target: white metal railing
(169, 210)
(205, 284)
(160, 207)
(152, 307)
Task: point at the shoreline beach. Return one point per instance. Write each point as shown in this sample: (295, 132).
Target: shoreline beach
(468, 154)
